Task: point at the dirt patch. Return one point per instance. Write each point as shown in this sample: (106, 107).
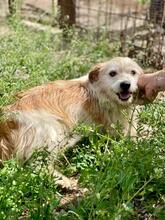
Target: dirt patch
(3, 8)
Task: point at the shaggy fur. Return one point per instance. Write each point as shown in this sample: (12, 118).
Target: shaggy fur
(46, 115)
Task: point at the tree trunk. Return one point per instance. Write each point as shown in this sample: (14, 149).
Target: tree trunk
(67, 13)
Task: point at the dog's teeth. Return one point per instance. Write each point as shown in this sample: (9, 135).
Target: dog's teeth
(124, 96)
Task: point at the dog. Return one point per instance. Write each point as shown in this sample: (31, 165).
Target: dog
(46, 115)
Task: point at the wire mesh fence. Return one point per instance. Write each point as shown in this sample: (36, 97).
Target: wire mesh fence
(109, 14)
(139, 25)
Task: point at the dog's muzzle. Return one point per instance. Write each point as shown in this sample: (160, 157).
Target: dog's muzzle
(124, 94)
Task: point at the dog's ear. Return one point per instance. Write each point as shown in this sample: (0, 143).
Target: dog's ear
(94, 73)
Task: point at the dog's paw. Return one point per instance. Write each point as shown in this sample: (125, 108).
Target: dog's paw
(66, 183)
(69, 184)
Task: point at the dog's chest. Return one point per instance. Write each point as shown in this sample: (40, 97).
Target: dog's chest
(114, 114)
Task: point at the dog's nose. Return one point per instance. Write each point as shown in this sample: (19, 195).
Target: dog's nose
(125, 85)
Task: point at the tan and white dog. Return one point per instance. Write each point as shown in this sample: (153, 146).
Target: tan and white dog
(46, 115)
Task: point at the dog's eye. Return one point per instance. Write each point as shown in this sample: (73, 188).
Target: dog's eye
(133, 72)
(113, 73)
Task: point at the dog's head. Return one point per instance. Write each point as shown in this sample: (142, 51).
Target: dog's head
(116, 80)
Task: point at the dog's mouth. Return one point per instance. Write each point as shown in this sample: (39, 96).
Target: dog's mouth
(124, 96)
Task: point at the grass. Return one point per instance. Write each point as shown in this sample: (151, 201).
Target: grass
(125, 177)
(27, 188)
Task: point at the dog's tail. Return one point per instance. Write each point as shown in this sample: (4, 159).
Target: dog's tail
(7, 128)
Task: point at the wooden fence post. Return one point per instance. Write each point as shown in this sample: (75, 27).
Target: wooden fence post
(67, 12)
